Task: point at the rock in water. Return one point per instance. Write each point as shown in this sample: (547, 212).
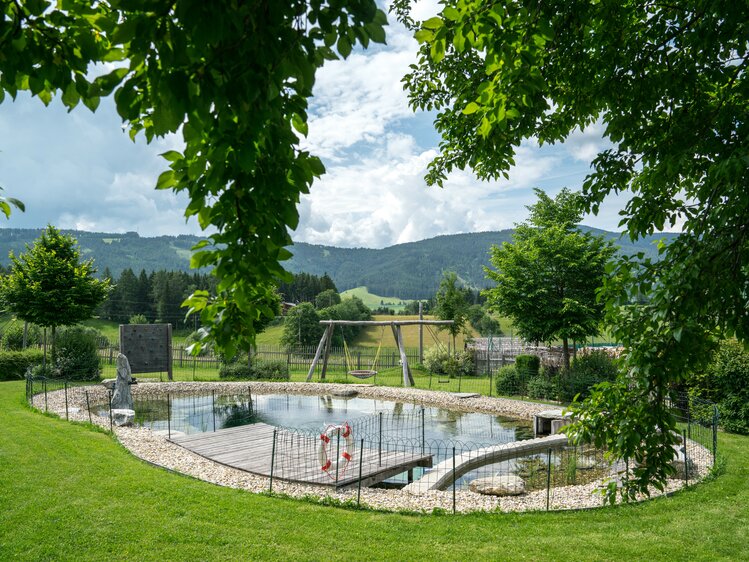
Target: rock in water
(122, 416)
(503, 485)
(122, 399)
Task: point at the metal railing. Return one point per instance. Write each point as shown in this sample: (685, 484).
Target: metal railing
(557, 477)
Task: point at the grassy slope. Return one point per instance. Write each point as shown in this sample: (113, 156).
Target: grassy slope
(374, 301)
(69, 493)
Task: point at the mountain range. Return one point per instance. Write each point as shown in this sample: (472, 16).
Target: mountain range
(410, 271)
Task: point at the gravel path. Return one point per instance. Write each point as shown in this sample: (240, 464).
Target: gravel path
(153, 447)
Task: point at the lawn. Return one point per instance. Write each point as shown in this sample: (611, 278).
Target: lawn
(71, 493)
(375, 301)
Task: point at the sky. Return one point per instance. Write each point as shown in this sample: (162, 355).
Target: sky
(81, 171)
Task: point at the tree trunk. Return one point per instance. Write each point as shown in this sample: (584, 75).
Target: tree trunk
(44, 356)
(566, 349)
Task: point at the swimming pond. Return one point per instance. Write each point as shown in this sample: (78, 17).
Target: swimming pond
(191, 414)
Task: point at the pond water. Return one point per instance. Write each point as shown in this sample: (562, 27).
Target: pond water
(195, 414)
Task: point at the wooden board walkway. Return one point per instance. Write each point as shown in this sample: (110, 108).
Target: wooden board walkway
(250, 448)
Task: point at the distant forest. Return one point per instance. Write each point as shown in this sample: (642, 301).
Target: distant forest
(408, 271)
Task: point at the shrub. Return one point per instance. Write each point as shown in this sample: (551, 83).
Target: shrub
(725, 381)
(12, 339)
(440, 362)
(528, 366)
(13, 364)
(76, 356)
(585, 372)
(508, 382)
(542, 387)
(260, 369)
(138, 319)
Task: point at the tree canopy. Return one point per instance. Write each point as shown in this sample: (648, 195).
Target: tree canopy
(50, 286)
(668, 83)
(548, 277)
(451, 304)
(237, 91)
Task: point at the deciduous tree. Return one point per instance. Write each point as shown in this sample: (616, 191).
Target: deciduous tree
(233, 78)
(50, 286)
(451, 305)
(668, 83)
(547, 278)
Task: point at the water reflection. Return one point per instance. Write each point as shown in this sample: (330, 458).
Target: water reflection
(195, 414)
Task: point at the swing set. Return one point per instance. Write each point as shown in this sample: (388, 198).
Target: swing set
(323, 348)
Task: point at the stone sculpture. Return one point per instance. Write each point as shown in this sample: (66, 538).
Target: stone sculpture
(122, 398)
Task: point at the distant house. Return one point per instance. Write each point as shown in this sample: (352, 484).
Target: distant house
(285, 307)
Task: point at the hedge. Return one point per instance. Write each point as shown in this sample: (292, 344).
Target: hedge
(13, 364)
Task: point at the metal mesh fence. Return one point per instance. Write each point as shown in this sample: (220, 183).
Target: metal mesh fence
(390, 449)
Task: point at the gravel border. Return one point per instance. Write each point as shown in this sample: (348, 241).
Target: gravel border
(154, 448)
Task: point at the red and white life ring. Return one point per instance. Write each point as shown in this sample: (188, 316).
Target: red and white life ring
(327, 439)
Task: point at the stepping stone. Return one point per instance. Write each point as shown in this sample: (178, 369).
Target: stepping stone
(502, 485)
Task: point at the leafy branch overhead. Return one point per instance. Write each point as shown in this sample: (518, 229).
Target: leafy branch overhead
(668, 84)
(237, 91)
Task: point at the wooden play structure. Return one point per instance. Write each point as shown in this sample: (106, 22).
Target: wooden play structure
(323, 348)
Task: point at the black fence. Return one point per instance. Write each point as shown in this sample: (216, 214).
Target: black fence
(542, 477)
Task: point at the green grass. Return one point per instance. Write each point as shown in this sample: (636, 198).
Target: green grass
(375, 301)
(71, 493)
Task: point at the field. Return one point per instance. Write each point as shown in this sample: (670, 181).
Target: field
(375, 301)
(70, 492)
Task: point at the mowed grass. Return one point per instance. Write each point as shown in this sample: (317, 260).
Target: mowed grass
(72, 493)
(375, 301)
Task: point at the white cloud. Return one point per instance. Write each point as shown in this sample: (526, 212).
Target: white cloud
(584, 145)
(79, 170)
(381, 199)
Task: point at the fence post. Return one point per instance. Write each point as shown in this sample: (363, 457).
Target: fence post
(337, 455)
(460, 379)
(361, 463)
(169, 414)
(454, 508)
(715, 432)
(249, 394)
(686, 459)
(273, 459)
(379, 448)
(548, 478)
(46, 408)
(423, 432)
(213, 408)
(88, 407)
(111, 421)
(65, 384)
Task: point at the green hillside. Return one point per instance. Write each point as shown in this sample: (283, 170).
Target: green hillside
(408, 271)
(375, 301)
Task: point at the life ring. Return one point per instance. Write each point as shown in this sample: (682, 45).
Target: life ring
(326, 463)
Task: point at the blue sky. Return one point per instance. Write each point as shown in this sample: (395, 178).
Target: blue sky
(80, 170)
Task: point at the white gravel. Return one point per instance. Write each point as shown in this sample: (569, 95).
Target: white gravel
(156, 449)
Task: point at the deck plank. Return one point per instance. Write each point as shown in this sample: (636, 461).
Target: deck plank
(250, 448)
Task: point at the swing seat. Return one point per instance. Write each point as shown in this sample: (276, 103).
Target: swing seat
(362, 373)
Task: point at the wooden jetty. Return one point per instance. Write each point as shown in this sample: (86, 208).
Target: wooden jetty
(250, 448)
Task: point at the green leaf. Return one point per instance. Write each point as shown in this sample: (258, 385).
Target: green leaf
(451, 13)
(299, 124)
(166, 180)
(424, 35)
(344, 46)
(471, 108)
(434, 23)
(171, 155)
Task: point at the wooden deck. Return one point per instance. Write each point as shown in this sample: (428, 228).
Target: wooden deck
(250, 448)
